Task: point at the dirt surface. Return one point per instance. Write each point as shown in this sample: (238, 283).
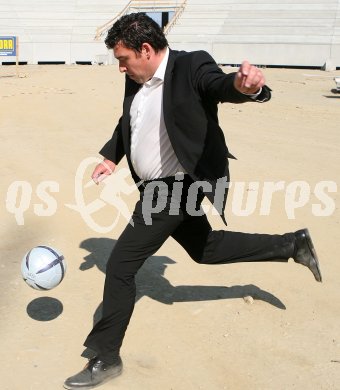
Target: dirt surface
(240, 326)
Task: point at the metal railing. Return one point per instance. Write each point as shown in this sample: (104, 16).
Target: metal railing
(146, 6)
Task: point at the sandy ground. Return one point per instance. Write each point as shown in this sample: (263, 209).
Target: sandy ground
(192, 327)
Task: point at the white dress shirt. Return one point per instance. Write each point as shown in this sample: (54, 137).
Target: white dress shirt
(152, 154)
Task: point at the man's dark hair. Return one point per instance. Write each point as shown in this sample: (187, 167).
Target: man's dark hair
(135, 29)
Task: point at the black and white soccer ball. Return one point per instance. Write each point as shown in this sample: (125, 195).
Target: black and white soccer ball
(43, 267)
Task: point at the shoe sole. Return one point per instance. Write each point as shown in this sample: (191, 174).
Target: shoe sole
(94, 386)
(314, 266)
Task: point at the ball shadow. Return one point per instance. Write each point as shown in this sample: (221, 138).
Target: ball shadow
(44, 309)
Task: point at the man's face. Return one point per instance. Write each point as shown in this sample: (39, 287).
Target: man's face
(134, 64)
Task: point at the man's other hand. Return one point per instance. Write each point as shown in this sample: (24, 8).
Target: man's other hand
(103, 170)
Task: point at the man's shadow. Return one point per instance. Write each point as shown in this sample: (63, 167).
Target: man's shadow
(150, 281)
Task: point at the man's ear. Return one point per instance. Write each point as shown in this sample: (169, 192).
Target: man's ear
(146, 50)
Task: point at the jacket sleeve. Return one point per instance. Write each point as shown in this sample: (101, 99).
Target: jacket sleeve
(113, 150)
(212, 83)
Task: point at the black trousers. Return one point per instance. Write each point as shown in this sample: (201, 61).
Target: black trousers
(143, 239)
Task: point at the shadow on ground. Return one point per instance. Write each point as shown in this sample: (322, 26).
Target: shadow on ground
(44, 309)
(151, 282)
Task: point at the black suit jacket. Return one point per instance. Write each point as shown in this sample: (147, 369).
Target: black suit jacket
(193, 87)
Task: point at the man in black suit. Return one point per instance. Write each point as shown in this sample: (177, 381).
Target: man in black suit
(177, 154)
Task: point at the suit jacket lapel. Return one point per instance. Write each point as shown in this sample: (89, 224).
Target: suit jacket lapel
(168, 118)
(131, 88)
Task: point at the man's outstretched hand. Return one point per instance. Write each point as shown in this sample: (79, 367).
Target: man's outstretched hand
(102, 170)
(249, 79)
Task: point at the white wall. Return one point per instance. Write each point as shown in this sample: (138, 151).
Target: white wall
(56, 30)
(269, 32)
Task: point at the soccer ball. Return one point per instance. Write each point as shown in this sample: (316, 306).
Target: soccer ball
(43, 267)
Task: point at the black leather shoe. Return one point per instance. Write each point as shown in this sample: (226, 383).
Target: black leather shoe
(95, 373)
(305, 253)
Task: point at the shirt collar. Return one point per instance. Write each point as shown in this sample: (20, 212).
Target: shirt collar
(160, 72)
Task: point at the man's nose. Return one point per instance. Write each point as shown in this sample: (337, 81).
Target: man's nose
(122, 69)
